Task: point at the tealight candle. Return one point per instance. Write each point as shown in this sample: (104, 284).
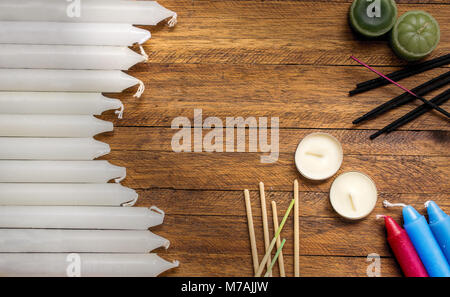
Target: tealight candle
(71, 126)
(318, 156)
(373, 18)
(353, 195)
(79, 241)
(72, 33)
(90, 265)
(109, 194)
(48, 80)
(68, 57)
(57, 103)
(415, 35)
(100, 11)
(80, 217)
(70, 149)
(60, 172)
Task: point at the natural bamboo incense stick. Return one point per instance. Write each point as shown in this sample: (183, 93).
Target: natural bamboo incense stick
(431, 104)
(277, 254)
(251, 230)
(404, 98)
(296, 232)
(275, 227)
(262, 196)
(272, 244)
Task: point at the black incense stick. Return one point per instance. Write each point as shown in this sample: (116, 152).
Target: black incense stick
(414, 69)
(404, 98)
(407, 72)
(444, 112)
(418, 111)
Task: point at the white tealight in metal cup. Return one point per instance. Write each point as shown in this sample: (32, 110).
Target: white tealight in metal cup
(353, 195)
(319, 156)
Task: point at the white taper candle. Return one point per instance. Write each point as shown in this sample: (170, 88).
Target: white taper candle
(80, 217)
(81, 149)
(71, 126)
(72, 33)
(48, 80)
(60, 172)
(57, 103)
(84, 265)
(100, 11)
(79, 241)
(67, 57)
(109, 194)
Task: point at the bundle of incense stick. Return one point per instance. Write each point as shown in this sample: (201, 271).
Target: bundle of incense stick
(405, 98)
(401, 74)
(409, 95)
(417, 112)
(258, 267)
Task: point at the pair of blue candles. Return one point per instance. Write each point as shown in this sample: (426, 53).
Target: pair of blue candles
(431, 241)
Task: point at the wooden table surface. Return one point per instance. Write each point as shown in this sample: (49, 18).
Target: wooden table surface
(286, 59)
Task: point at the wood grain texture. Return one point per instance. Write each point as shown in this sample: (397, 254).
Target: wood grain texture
(286, 59)
(274, 32)
(301, 96)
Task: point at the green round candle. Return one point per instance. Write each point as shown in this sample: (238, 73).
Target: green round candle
(373, 18)
(415, 35)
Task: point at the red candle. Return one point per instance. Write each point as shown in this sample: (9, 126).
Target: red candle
(403, 249)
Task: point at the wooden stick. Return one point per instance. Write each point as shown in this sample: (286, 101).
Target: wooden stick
(251, 230)
(275, 227)
(274, 240)
(296, 232)
(262, 196)
(277, 254)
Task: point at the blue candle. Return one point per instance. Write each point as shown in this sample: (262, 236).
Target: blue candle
(426, 245)
(439, 223)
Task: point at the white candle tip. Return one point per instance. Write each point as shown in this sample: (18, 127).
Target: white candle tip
(120, 179)
(132, 202)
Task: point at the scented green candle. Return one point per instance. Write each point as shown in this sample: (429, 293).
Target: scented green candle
(415, 35)
(373, 18)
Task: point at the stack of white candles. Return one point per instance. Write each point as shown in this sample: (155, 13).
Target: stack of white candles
(59, 213)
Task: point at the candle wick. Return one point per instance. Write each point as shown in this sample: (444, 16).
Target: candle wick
(388, 204)
(352, 202)
(315, 154)
(422, 28)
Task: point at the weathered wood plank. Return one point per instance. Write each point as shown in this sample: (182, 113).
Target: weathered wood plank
(301, 96)
(355, 142)
(224, 171)
(272, 32)
(230, 203)
(213, 265)
(319, 236)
